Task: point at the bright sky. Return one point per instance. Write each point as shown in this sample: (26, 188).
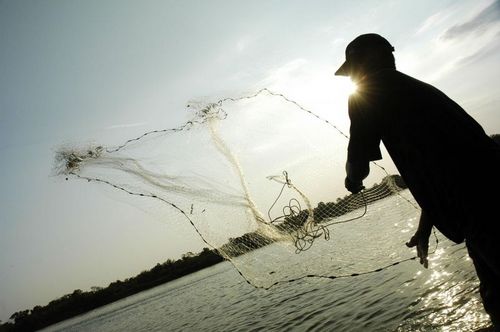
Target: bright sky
(105, 71)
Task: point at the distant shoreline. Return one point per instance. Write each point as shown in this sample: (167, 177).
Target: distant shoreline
(80, 302)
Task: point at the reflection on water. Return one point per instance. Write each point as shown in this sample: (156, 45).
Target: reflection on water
(402, 298)
(449, 299)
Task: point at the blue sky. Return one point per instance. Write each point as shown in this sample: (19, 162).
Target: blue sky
(105, 71)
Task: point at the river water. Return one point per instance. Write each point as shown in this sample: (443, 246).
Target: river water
(404, 297)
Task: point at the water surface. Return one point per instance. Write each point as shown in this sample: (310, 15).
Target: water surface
(405, 297)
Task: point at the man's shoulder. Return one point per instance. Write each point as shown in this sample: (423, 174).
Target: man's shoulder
(397, 77)
(396, 83)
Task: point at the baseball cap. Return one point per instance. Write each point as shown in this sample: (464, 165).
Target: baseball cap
(361, 45)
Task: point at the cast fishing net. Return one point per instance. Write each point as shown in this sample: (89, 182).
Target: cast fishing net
(259, 178)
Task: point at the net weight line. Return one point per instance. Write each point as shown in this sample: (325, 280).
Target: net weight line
(303, 239)
(247, 280)
(180, 210)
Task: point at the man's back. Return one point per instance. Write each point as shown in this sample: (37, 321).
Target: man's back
(438, 148)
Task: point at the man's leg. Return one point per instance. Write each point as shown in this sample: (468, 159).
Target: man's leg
(489, 284)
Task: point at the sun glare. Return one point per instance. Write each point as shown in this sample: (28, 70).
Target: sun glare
(349, 87)
(317, 89)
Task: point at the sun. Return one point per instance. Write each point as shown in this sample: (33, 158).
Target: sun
(348, 87)
(318, 90)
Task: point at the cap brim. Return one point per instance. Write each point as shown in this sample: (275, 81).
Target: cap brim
(342, 71)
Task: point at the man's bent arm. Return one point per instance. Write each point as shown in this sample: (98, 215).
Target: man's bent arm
(356, 173)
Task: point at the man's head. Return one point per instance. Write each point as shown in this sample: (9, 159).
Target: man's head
(365, 54)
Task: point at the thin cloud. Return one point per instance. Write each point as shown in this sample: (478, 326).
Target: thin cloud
(126, 125)
(483, 54)
(456, 45)
(479, 23)
(433, 21)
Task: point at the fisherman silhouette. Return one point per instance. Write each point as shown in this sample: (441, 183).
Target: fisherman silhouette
(450, 165)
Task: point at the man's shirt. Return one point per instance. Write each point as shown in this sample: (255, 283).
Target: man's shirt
(437, 147)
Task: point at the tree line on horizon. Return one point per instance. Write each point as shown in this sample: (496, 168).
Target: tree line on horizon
(79, 301)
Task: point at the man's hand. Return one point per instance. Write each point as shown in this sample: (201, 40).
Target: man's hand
(422, 244)
(356, 172)
(353, 186)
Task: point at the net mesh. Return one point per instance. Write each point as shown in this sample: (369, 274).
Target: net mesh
(260, 179)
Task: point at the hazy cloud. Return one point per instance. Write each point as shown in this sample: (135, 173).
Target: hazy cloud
(480, 22)
(487, 52)
(432, 21)
(126, 125)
